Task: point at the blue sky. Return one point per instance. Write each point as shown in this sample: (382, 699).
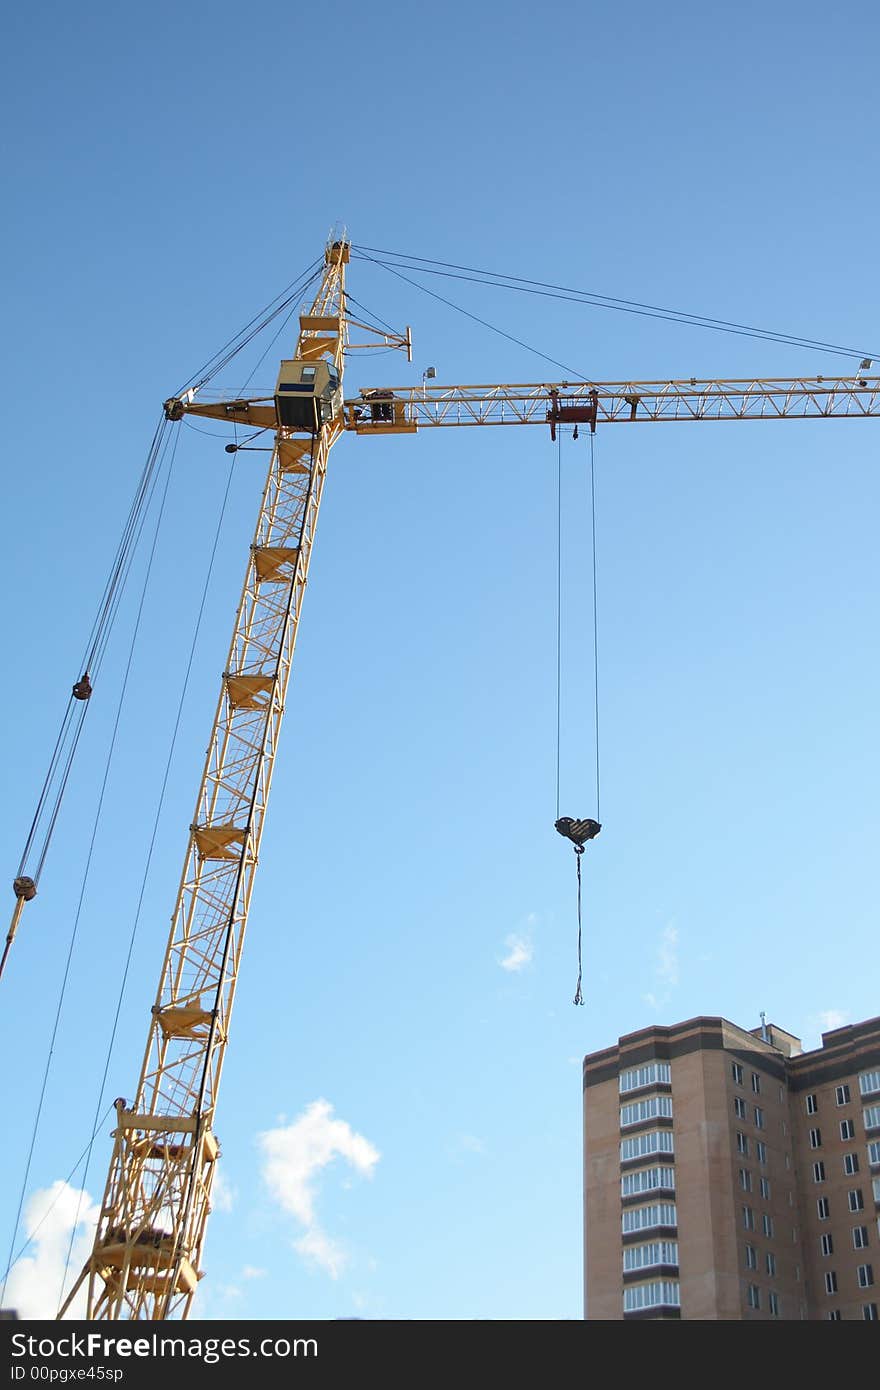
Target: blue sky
(400, 1111)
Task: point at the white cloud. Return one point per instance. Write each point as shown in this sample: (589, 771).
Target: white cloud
(251, 1272)
(50, 1218)
(294, 1156)
(666, 972)
(823, 1022)
(472, 1143)
(222, 1194)
(322, 1250)
(829, 1019)
(519, 954)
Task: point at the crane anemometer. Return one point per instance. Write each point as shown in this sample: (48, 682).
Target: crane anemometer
(146, 1258)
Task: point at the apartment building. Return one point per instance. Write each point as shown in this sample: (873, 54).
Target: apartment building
(728, 1174)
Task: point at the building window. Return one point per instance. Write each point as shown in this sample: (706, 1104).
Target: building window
(761, 1150)
(871, 1117)
(661, 1292)
(773, 1303)
(754, 1296)
(869, 1082)
(850, 1164)
(740, 1109)
(748, 1218)
(745, 1179)
(823, 1210)
(835, 1315)
(767, 1223)
(759, 1117)
(646, 1180)
(655, 1073)
(860, 1237)
(855, 1199)
(770, 1261)
(656, 1141)
(736, 1072)
(812, 1105)
(842, 1095)
(751, 1257)
(819, 1172)
(643, 1218)
(815, 1138)
(788, 1160)
(869, 1312)
(826, 1244)
(866, 1276)
(756, 1083)
(847, 1129)
(640, 1110)
(658, 1252)
(875, 1183)
(742, 1144)
(874, 1152)
(765, 1189)
(831, 1282)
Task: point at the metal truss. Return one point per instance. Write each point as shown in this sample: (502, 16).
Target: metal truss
(404, 409)
(146, 1258)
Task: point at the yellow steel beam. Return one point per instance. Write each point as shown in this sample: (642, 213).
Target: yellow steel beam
(403, 409)
(147, 1255)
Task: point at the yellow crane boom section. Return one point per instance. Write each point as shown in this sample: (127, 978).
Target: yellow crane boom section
(407, 409)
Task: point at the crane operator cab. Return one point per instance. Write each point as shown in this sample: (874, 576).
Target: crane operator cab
(308, 395)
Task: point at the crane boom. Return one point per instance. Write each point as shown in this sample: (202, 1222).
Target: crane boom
(405, 409)
(145, 1261)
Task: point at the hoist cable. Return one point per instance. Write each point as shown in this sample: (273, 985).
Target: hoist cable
(578, 997)
(124, 547)
(549, 290)
(595, 616)
(55, 782)
(95, 824)
(475, 318)
(350, 299)
(284, 322)
(225, 354)
(558, 615)
(51, 1207)
(161, 801)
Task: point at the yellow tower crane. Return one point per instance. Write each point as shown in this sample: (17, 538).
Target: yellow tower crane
(146, 1260)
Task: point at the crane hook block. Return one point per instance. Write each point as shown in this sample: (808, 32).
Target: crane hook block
(83, 687)
(578, 831)
(24, 887)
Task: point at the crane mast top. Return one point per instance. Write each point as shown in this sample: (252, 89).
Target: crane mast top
(146, 1259)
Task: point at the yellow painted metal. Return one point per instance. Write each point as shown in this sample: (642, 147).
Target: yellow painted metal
(776, 398)
(147, 1254)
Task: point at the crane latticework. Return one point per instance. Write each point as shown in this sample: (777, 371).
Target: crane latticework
(146, 1258)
